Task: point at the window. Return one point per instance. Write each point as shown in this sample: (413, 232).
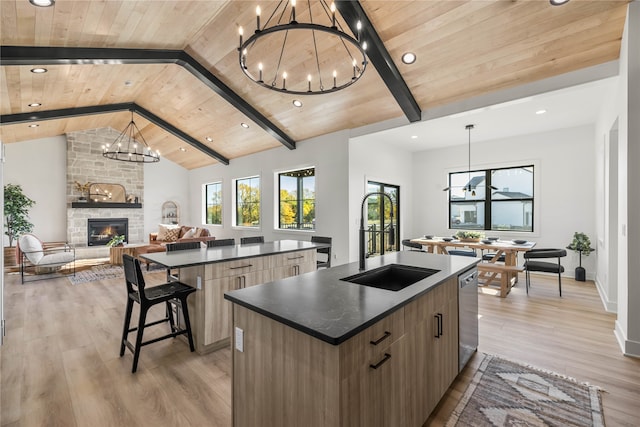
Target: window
(297, 200)
(248, 202)
(508, 206)
(213, 203)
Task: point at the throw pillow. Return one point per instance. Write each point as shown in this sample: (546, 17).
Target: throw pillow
(189, 234)
(164, 228)
(172, 235)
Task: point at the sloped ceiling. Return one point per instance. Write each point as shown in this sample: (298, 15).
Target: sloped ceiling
(464, 49)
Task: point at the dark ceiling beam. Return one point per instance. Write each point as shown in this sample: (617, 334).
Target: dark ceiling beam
(66, 113)
(352, 12)
(29, 56)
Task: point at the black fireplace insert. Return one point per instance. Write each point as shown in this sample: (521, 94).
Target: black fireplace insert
(101, 230)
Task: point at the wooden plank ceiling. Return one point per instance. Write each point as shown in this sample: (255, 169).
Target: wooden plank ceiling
(464, 49)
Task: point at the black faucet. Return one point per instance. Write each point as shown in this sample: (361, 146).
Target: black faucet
(362, 231)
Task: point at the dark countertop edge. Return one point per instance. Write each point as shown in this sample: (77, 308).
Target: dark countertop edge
(339, 340)
(195, 264)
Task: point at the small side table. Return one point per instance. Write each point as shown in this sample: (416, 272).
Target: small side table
(116, 252)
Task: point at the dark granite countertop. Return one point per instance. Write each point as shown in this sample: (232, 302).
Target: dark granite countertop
(325, 307)
(188, 258)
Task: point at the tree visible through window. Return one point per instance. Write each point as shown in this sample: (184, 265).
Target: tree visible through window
(213, 203)
(492, 199)
(248, 202)
(297, 199)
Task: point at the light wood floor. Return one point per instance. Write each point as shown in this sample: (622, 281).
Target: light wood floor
(60, 364)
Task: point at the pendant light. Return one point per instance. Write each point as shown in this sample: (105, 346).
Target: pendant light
(468, 186)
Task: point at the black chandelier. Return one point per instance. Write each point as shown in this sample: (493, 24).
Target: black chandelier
(276, 55)
(129, 149)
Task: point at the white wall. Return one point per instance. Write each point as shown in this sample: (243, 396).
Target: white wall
(40, 167)
(165, 181)
(564, 186)
(374, 161)
(327, 153)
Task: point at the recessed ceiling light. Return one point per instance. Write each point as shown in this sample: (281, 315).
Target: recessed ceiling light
(38, 70)
(42, 3)
(183, 149)
(35, 104)
(297, 103)
(541, 112)
(208, 138)
(409, 58)
(558, 2)
(34, 125)
(414, 136)
(244, 125)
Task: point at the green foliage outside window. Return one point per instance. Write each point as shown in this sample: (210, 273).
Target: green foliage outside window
(248, 202)
(213, 210)
(297, 199)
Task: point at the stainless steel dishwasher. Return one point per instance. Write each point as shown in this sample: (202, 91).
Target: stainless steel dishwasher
(467, 315)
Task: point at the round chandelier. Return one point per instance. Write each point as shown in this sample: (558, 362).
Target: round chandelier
(307, 56)
(127, 149)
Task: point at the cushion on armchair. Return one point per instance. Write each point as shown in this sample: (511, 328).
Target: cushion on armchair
(32, 248)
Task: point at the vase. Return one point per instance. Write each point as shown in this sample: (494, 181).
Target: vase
(469, 239)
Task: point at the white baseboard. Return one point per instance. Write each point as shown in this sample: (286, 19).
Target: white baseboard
(609, 306)
(628, 347)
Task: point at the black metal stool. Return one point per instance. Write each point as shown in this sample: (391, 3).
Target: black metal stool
(147, 298)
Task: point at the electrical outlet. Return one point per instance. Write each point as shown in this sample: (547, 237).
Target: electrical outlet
(239, 340)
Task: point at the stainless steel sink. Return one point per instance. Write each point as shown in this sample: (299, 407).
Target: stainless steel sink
(392, 277)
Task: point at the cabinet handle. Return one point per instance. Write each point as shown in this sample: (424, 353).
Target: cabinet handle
(241, 266)
(386, 357)
(296, 270)
(295, 257)
(386, 335)
(438, 325)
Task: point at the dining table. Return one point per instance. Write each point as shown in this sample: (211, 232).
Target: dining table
(501, 268)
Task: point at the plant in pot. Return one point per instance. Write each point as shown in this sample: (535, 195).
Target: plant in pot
(116, 241)
(16, 218)
(582, 245)
(469, 236)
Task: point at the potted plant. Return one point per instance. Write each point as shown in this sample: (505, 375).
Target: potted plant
(16, 218)
(116, 241)
(469, 236)
(581, 244)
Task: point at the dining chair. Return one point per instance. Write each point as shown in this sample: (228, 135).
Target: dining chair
(531, 263)
(460, 252)
(138, 293)
(406, 243)
(323, 263)
(221, 242)
(255, 239)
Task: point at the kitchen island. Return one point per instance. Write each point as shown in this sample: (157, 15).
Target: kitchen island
(214, 271)
(315, 350)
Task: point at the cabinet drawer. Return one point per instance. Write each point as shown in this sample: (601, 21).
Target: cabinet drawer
(233, 268)
(368, 346)
(291, 258)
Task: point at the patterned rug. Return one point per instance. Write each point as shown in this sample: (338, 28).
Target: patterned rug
(105, 272)
(504, 393)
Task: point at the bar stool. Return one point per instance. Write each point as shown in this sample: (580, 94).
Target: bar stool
(147, 298)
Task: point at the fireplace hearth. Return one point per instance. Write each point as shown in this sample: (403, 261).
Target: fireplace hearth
(101, 230)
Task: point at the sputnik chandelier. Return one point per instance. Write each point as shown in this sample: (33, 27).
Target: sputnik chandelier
(302, 49)
(127, 149)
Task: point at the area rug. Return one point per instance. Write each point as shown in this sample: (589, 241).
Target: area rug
(105, 272)
(504, 393)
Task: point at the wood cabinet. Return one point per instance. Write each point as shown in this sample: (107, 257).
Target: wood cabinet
(211, 318)
(391, 374)
(432, 349)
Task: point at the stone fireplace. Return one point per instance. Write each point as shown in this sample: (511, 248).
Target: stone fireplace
(101, 230)
(85, 163)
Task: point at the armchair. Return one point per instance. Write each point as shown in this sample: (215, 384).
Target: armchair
(42, 258)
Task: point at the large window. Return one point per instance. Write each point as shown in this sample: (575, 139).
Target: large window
(213, 203)
(248, 202)
(297, 200)
(492, 199)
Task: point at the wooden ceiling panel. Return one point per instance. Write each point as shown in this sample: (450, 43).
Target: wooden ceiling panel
(472, 48)
(465, 48)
